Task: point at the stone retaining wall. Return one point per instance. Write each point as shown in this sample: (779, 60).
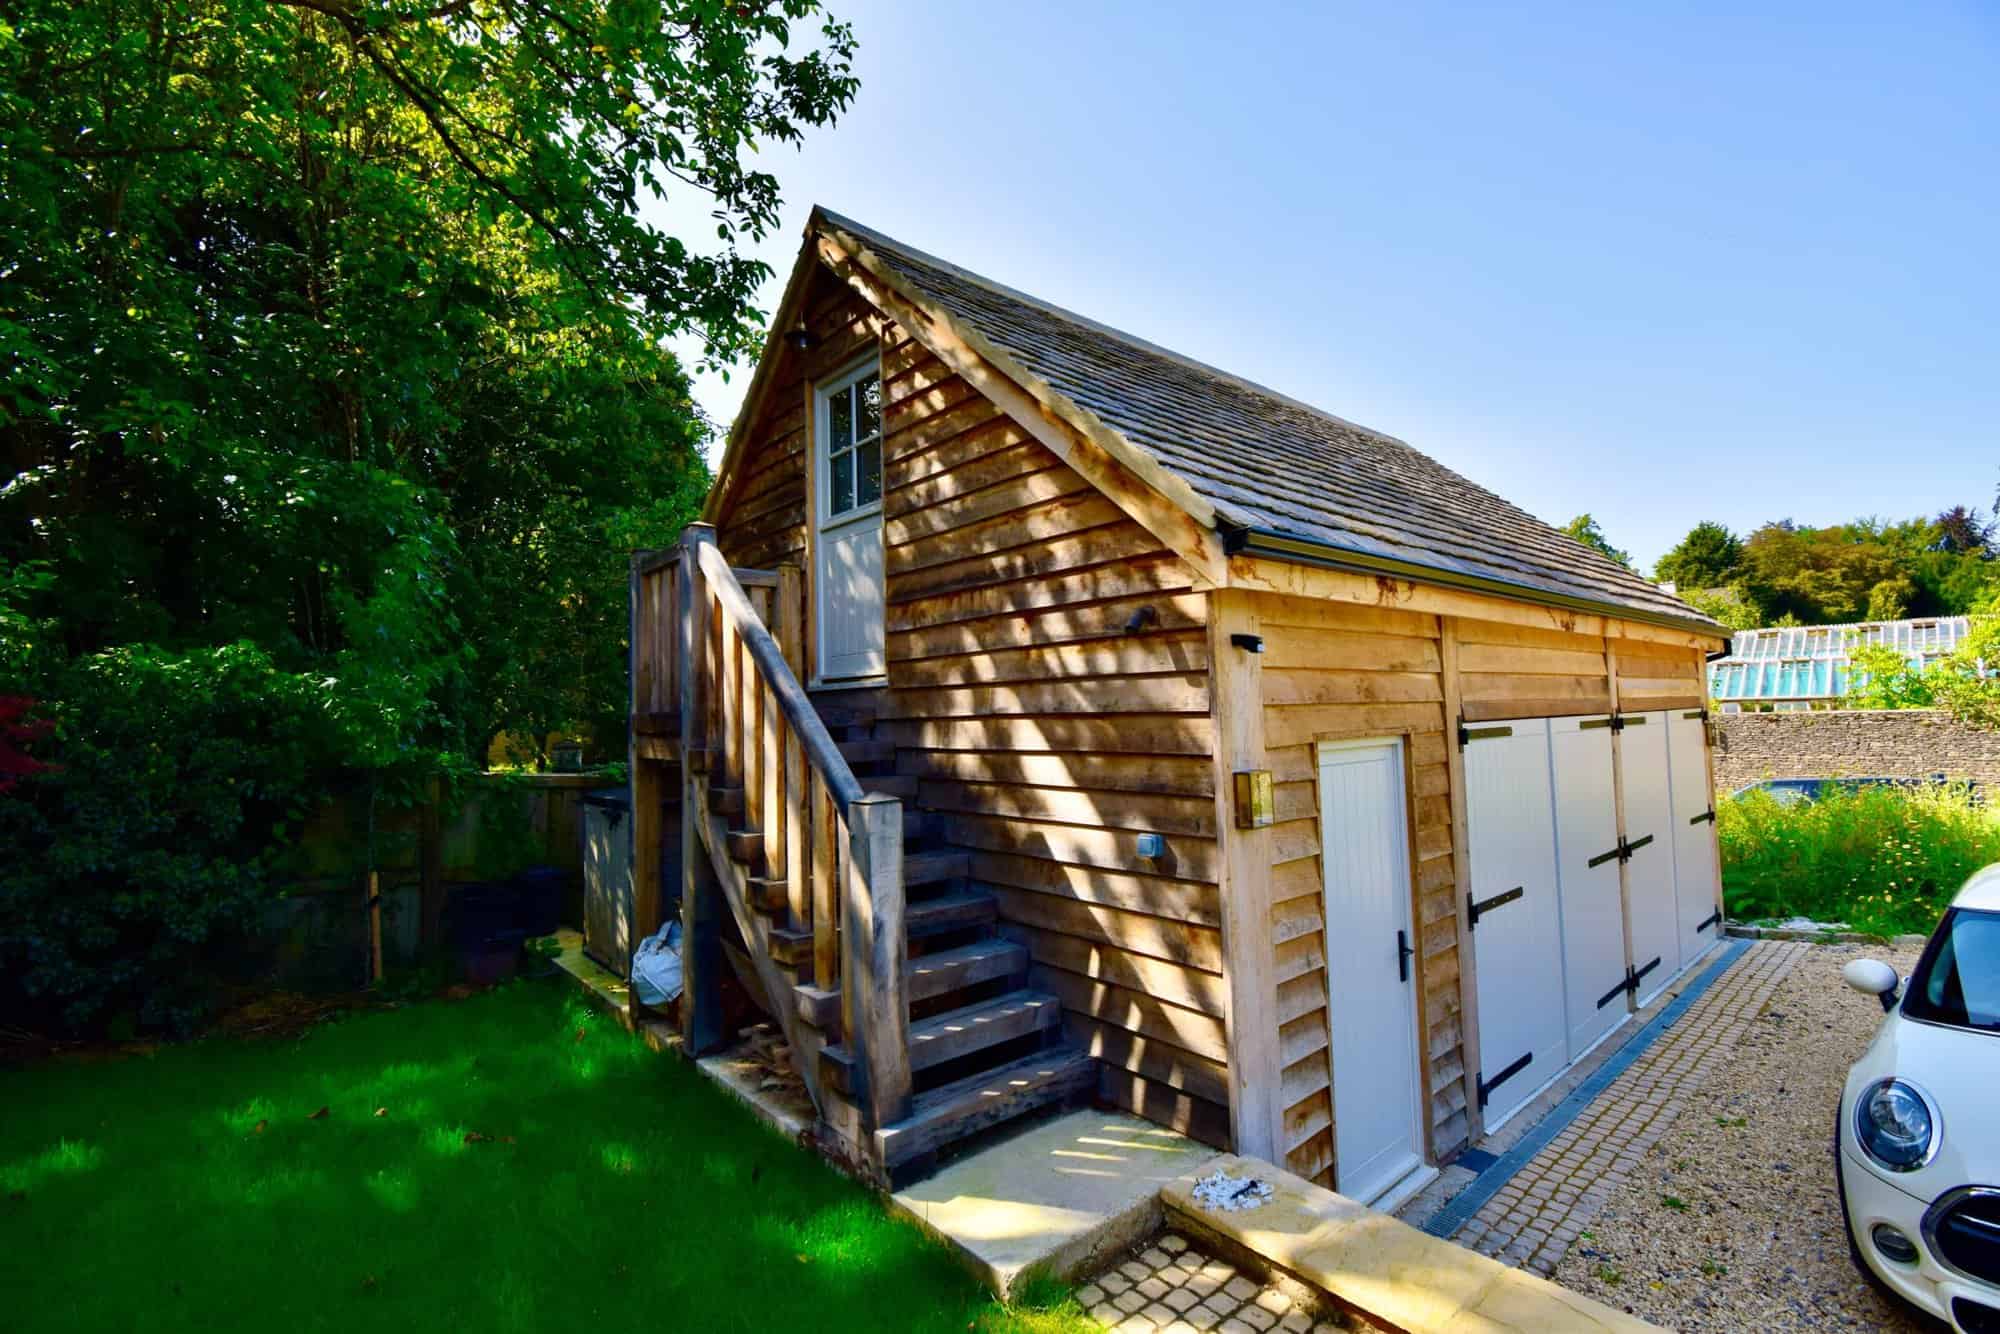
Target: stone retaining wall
(1891, 743)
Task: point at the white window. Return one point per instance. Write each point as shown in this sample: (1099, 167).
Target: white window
(853, 407)
(847, 564)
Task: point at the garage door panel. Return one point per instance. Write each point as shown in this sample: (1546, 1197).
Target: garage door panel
(1517, 939)
(1649, 828)
(1593, 915)
(1695, 890)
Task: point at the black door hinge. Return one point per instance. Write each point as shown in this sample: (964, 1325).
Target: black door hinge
(1470, 734)
(1486, 1086)
(1475, 908)
(1403, 952)
(1710, 920)
(1623, 852)
(1630, 983)
(1707, 816)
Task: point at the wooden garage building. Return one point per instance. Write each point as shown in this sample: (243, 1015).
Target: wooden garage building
(1060, 717)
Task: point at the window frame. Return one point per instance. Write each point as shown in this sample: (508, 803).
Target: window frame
(823, 453)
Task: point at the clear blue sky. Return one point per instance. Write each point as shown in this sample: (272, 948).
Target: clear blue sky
(1661, 263)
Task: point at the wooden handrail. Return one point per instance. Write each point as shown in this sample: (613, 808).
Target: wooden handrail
(804, 720)
(836, 850)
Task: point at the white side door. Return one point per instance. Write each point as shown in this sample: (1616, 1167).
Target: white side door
(1649, 833)
(1516, 935)
(847, 522)
(1370, 968)
(1593, 917)
(1695, 891)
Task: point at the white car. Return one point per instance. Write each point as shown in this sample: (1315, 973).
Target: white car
(1917, 1142)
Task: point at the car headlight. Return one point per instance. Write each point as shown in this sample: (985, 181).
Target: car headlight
(1894, 1125)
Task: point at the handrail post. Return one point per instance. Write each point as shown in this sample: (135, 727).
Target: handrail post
(873, 999)
(702, 907)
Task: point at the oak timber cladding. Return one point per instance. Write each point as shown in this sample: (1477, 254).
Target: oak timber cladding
(763, 522)
(1048, 686)
(1048, 674)
(1333, 672)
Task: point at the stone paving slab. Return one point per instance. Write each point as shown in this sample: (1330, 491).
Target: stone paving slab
(1535, 1218)
(1054, 1197)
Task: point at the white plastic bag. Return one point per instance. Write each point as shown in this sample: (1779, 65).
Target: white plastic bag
(656, 966)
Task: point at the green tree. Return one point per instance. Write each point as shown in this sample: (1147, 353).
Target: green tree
(1725, 606)
(1890, 599)
(1708, 557)
(335, 393)
(1583, 528)
(1881, 678)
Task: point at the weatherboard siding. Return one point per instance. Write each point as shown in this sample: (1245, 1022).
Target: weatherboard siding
(1048, 689)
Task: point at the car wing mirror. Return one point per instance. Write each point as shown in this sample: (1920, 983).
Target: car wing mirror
(1872, 977)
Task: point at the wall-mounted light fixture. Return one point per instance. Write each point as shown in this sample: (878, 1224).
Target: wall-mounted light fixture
(1248, 643)
(799, 338)
(1140, 619)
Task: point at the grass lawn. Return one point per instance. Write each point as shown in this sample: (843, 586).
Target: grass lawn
(531, 1167)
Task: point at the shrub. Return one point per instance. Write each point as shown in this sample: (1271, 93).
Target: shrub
(160, 831)
(1882, 859)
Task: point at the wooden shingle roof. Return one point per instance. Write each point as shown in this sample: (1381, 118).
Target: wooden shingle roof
(1279, 477)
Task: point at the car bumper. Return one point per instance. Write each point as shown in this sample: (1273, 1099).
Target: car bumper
(1924, 1283)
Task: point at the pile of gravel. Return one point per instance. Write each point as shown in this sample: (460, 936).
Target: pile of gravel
(1732, 1221)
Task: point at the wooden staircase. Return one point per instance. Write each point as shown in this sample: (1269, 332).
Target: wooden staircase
(909, 1017)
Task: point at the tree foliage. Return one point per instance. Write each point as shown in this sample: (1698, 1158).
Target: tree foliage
(1583, 528)
(335, 394)
(1867, 570)
(1708, 557)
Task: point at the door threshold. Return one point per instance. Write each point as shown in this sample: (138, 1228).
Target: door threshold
(1403, 1189)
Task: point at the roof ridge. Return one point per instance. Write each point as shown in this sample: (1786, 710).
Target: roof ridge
(1063, 312)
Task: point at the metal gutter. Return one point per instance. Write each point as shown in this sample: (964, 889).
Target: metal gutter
(1249, 541)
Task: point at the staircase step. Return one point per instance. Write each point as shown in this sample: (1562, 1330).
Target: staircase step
(867, 752)
(768, 894)
(967, 1106)
(746, 846)
(928, 868)
(929, 977)
(725, 800)
(791, 945)
(947, 971)
(844, 715)
(949, 912)
(892, 785)
(955, 1033)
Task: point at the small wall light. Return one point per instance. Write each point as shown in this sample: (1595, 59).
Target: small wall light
(1142, 618)
(799, 338)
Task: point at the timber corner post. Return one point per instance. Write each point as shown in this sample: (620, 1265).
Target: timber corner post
(873, 995)
(702, 906)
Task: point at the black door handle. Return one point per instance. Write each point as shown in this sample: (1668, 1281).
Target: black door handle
(1403, 953)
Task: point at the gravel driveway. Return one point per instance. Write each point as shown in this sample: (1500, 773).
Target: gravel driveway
(1732, 1221)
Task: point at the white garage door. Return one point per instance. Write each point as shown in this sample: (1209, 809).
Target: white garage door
(1516, 912)
(1699, 900)
(1649, 835)
(1593, 917)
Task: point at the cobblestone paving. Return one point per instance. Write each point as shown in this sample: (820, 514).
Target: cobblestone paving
(1549, 1203)
(1169, 1287)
